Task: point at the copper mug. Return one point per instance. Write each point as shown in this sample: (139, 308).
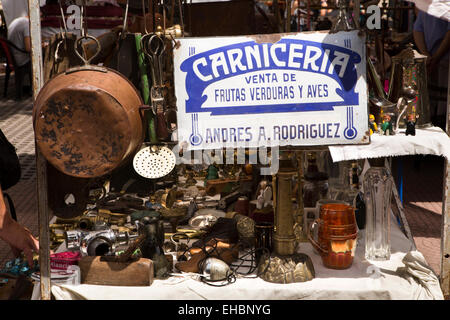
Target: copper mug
(337, 234)
(310, 214)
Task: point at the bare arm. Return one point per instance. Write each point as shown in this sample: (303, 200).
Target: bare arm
(433, 61)
(443, 47)
(18, 237)
(27, 44)
(419, 39)
(3, 212)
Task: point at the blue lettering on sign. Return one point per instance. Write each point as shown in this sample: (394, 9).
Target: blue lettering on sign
(218, 64)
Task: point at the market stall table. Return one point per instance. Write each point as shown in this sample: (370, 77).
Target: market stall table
(428, 141)
(363, 280)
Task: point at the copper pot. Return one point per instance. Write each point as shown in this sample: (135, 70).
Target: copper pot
(336, 235)
(87, 121)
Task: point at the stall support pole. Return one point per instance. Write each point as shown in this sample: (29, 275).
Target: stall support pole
(37, 79)
(356, 12)
(445, 225)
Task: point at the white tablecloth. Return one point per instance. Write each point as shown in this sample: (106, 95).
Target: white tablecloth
(364, 280)
(433, 141)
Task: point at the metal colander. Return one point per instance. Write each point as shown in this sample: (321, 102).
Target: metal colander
(154, 162)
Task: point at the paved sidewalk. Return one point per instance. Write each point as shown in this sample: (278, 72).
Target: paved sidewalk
(422, 200)
(422, 193)
(16, 123)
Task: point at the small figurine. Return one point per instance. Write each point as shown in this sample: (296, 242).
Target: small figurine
(386, 125)
(372, 124)
(264, 195)
(213, 173)
(411, 124)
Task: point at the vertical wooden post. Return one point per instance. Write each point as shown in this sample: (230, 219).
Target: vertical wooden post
(356, 12)
(308, 18)
(288, 16)
(276, 12)
(445, 225)
(37, 79)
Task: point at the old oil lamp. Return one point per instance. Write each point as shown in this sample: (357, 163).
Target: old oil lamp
(409, 71)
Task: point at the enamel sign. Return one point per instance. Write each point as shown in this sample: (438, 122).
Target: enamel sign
(298, 89)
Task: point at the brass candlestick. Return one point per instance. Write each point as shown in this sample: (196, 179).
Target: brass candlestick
(284, 238)
(285, 265)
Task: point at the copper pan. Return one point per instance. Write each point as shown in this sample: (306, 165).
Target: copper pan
(87, 121)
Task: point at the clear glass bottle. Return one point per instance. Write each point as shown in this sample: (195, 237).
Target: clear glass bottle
(377, 185)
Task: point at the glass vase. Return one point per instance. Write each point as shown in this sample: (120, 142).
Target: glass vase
(377, 185)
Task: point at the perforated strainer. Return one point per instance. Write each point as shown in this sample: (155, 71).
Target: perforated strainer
(154, 162)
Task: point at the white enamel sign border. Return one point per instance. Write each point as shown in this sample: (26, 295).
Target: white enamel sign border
(300, 89)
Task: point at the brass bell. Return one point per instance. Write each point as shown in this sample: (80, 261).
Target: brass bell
(409, 72)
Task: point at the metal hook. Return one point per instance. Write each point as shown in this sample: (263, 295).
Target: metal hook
(160, 45)
(63, 17)
(83, 31)
(181, 17)
(58, 58)
(143, 15)
(125, 21)
(78, 43)
(164, 16)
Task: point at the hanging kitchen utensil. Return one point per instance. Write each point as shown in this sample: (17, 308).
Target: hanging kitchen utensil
(59, 54)
(125, 56)
(154, 47)
(87, 120)
(154, 162)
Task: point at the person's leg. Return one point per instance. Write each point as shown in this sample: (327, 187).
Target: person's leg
(5, 89)
(28, 85)
(19, 74)
(18, 81)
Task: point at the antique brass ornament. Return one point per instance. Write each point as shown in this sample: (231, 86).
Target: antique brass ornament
(244, 224)
(287, 269)
(171, 32)
(168, 198)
